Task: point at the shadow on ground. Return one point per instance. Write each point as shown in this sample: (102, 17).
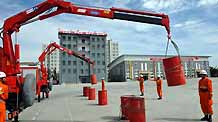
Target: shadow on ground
(111, 119)
(178, 119)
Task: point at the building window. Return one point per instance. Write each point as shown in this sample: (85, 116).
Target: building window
(99, 70)
(93, 46)
(63, 70)
(69, 70)
(103, 70)
(103, 46)
(69, 46)
(74, 39)
(64, 45)
(83, 40)
(74, 63)
(98, 62)
(93, 54)
(87, 71)
(81, 62)
(98, 54)
(63, 53)
(83, 49)
(69, 38)
(74, 46)
(102, 39)
(63, 37)
(63, 62)
(103, 62)
(98, 46)
(93, 39)
(98, 39)
(74, 70)
(69, 62)
(81, 71)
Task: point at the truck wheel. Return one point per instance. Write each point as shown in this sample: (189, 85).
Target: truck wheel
(29, 89)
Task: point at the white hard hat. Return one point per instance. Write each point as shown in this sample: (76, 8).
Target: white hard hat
(141, 75)
(203, 72)
(2, 75)
(102, 78)
(158, 76)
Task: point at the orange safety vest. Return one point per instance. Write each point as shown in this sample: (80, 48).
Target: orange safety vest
(3, 97)
(205, 92)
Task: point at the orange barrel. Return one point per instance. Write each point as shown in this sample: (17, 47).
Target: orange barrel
(86, 91)
(136, 109)
(174, 71)
(91, 94)
(124, 106)
(102, 97)
(93, 79)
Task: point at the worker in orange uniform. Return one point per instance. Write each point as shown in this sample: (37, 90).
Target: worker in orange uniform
(141, 84)
(3, 96)
(159, 87)
(205, 93)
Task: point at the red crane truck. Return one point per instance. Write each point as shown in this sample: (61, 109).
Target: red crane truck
(9, 62)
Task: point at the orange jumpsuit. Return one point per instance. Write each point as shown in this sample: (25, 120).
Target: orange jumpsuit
(159, 87)
(205, 93)
(3, 97)
(141, 84)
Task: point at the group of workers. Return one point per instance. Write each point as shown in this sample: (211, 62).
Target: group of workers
(204, 88)
(158, 84)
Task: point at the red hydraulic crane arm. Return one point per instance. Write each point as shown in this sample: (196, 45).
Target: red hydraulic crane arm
(13, 23)
(53, 46)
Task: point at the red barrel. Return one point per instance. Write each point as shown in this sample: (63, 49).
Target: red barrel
(136, 109)
(86, 91)
(102, 97)
(124, 106)
(93, 79)
(91, 94)
(174, 71)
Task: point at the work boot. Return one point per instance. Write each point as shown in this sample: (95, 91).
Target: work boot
(205, 118)
(209, 118)
(159, 98)
(142, 94)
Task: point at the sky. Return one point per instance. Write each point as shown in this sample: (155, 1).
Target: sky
(194, 27)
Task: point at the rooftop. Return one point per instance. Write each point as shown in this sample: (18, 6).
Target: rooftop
(77, 32)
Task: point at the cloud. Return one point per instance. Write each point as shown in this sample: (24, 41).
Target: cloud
(207, 2)
(188, 23)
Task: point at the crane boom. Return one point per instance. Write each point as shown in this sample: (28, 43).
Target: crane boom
(38, 12)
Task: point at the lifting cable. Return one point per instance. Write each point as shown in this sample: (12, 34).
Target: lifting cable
(174, 45)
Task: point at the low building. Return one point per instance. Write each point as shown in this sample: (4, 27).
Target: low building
(131, 66)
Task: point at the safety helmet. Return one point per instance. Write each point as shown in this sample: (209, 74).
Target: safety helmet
(203, 72)
(158, 76)
(102, 78)
(141, 75)
(2, 75)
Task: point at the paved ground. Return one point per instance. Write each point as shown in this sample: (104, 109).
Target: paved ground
(180, 104)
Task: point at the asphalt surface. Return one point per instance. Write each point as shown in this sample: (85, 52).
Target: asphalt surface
(66, 104)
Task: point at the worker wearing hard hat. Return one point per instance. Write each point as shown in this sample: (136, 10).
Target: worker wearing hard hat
(141, 84)
(159, 87)
(3, 96)
(205, 93)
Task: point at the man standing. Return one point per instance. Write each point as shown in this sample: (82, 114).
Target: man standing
(205, 93)
(159, 87)
(141, 84)
(3, 96)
